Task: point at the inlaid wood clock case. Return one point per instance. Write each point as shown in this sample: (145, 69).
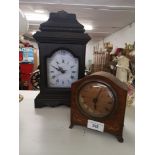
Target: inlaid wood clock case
(111, 113)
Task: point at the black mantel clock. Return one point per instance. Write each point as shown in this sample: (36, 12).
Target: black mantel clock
(62, 44)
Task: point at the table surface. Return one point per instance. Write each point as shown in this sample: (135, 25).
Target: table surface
(45, 131)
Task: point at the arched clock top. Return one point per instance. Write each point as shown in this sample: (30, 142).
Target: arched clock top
(106, 77)
(111, 78)
(52, 52)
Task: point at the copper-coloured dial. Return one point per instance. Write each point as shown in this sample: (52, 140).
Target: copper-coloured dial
(96, 99)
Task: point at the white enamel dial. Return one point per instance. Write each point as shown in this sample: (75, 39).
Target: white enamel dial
(62, 69)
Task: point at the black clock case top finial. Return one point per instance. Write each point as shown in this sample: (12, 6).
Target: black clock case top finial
(62, 21)
(61, 27)
(60, 31)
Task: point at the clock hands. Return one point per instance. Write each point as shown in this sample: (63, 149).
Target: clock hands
(95, 99)
(55, 68)
(60, 69)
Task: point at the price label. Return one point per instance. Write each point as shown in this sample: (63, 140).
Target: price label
(95, 125)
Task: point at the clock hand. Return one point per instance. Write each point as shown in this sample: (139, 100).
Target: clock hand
(56, 68)
(95, 99)
(59, 68)
(62, 70)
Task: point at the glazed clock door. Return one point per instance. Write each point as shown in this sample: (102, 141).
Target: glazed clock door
(96, 99)
(62, 69)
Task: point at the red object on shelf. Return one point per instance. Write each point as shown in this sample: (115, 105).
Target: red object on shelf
(20, 56)
(26, 70)
(118, 51)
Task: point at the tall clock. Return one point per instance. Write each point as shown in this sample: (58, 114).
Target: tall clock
(62, 45)
(98, 102)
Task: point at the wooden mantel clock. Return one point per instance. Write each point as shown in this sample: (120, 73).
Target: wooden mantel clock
(98, 101)
(62, 44)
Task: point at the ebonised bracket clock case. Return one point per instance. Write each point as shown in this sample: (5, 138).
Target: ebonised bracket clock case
(62, 44)
(99, 98)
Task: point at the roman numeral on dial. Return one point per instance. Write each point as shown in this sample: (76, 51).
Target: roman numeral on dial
(53, 77)
(72, 77)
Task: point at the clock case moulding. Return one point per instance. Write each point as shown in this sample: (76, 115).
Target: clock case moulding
(114, 122)
(61, 31)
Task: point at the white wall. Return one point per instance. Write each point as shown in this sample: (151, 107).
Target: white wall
(89, 52)
(119, 38)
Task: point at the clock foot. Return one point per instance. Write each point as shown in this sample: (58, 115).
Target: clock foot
(120, 139)
(71, 126)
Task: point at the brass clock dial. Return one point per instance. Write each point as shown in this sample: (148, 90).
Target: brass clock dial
(96, 99)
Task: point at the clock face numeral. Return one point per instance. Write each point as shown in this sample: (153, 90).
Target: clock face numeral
(62, 69)
(53, 76)
(72, 77)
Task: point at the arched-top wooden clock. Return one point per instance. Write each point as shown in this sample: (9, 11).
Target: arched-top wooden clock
(62, 45)
(99, 100)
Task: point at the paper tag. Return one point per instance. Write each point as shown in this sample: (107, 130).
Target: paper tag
(95, 125)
